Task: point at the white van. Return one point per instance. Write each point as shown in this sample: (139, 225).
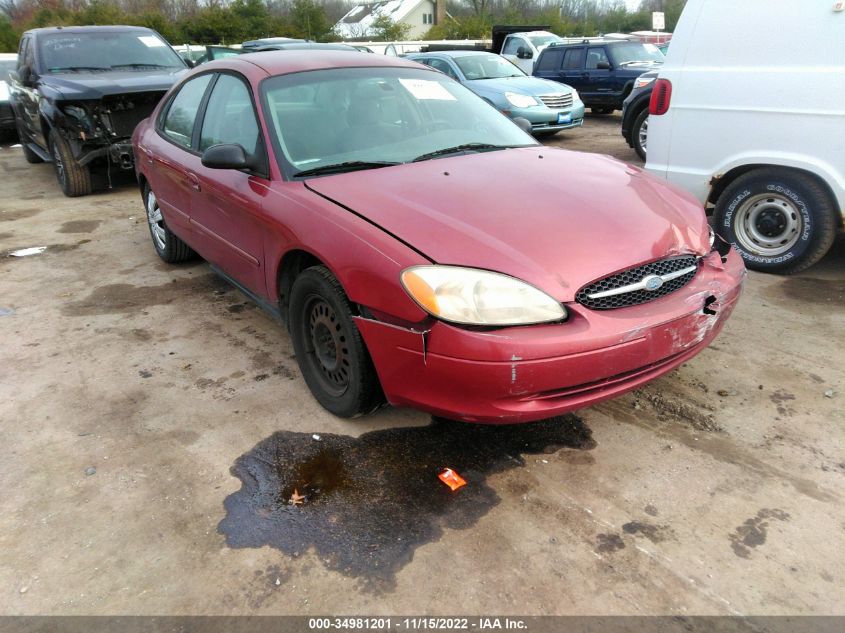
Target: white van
(748, 114)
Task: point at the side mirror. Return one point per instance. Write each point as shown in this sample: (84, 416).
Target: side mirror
(523, 123)
(524, 53)
(226, 156)
(602, 65)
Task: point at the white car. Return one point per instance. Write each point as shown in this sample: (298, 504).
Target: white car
(8, 63)
(754, 125)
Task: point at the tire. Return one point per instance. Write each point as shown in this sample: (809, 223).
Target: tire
(31, 157)
(780, 221)
(74, 179)
(541, 136)
(603, 110)
(639, 133)
(169, 247)
(329, 349)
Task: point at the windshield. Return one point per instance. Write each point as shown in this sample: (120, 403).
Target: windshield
(377, 116)
(487, 66)
(542, 40)
(632, 52)
(106, 50)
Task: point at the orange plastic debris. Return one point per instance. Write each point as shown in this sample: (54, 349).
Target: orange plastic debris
(451, 479)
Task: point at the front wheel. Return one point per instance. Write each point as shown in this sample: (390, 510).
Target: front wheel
(74, 179)
(639, 133)
(602, 110)
(329, 349)
(780, 221)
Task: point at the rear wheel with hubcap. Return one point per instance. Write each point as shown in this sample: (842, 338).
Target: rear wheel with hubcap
(780, 221)
(329, 349)
(169, 247)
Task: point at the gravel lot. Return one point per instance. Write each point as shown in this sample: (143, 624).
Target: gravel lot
(129, 389)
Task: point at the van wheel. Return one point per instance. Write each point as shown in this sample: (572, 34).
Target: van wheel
(30, 156)
(169, 247)
(779, 221)
(334, 361)
(74, 179)
(639, 133)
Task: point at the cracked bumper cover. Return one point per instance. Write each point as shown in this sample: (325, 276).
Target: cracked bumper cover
(529, 373)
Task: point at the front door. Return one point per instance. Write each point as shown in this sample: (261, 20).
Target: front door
(227, 211)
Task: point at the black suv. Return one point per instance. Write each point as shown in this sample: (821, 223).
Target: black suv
(635, 113)
(603, 72)
(78, 93)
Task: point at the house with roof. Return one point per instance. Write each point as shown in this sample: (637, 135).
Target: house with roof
(419, 15)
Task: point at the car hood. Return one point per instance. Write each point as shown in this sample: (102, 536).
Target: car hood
(83, 85)
(554, 218)
(532, 86)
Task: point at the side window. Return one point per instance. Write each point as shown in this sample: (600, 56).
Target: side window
(573, 59)
(512, 45)
(26, 58)
(230, 116)
(182, 113)
(594, 56)
(22, 51)
(444, 67)
(550, 60)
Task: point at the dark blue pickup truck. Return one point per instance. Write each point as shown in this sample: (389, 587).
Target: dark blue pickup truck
(602, 71)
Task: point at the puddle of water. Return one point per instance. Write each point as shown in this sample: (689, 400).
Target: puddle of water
(370, 501)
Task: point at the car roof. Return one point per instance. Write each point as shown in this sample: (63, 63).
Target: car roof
(87, 29)
(271, 40)
(293, 61)
(457, 53)
(305, 45)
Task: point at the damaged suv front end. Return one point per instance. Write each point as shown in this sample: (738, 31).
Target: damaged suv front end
(79, 92)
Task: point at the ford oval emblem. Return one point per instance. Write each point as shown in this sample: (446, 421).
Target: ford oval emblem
(652, 283)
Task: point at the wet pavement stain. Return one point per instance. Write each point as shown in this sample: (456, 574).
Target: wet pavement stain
(369, 502)
(80, 226)
(813, 290)
(607, 543)
(117, 298)
(18, 214)
(753, 532)
(654, 533)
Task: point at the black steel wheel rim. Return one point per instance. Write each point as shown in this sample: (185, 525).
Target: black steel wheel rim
(327, 346)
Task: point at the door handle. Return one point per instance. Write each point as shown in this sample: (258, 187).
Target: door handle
(193, 181)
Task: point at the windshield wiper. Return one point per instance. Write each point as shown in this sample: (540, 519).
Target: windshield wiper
(142, 66)
(77, 68)
(340, 168)
(466, 147)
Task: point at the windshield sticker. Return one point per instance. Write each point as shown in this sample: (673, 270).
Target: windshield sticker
(426, 89)
(151, 41)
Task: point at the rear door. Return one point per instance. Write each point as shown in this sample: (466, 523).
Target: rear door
(227, 211)
(170, 156)
(572, 68)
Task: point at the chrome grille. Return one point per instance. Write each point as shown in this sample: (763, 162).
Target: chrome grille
(633, 276)
(557, 101)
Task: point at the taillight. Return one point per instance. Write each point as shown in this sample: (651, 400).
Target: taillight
(661, 95)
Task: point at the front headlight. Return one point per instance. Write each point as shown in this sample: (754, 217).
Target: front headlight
(477, 297)
(575, 96)
(520, 101)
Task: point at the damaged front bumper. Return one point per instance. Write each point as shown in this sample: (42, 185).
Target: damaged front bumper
(530, 373)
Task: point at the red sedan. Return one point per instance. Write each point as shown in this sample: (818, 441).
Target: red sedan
(420, 246)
